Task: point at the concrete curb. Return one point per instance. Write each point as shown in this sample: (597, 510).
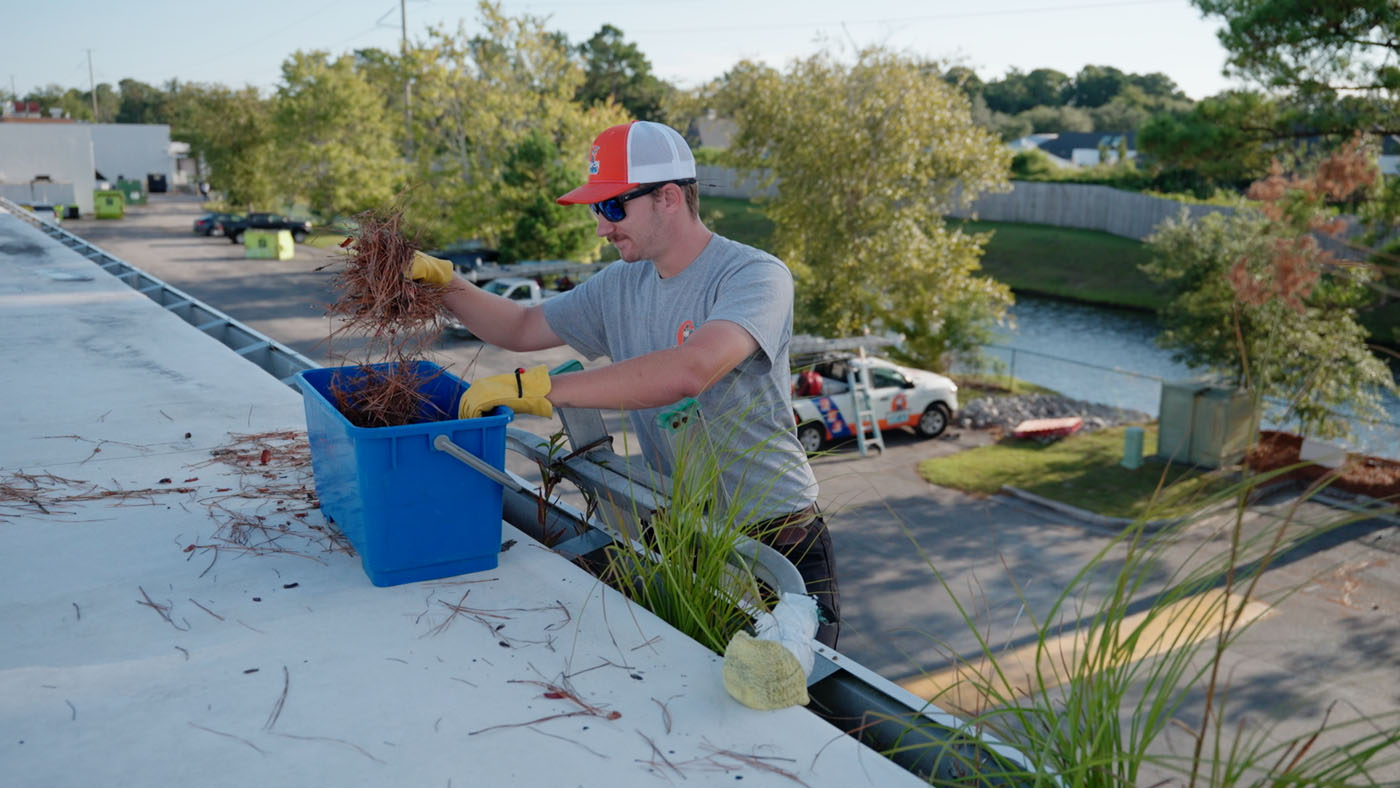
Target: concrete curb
(1085, 515)
(1360, 504)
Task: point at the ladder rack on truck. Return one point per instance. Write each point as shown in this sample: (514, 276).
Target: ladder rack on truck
(531, 268)
(806, 350)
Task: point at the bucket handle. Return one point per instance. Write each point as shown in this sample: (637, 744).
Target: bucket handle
(444, 444)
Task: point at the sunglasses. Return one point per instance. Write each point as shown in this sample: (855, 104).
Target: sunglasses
(612, 208)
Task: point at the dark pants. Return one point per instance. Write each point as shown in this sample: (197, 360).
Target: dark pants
(808, 546)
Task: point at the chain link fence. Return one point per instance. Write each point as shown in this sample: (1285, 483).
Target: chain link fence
(1125, 388)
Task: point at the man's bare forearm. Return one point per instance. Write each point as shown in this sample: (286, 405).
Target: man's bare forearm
(648, 381)
(496, 320)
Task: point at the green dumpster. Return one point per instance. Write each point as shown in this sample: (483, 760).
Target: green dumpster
(133, 191)
(268, 244)
(108, 204)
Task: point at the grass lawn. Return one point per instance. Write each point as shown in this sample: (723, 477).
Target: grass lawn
(1059, 261)
(325, 239)
(971, 387)
(1083, 471)
(737, 220)
(1083, 264)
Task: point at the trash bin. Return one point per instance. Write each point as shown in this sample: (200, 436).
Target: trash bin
(133, 191)
(268, 244)
(108, 204)
(155, 183)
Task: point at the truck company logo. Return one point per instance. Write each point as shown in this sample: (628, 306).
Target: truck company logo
(593, 161)
(683, 333)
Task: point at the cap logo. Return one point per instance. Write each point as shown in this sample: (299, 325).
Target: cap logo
(593, 161)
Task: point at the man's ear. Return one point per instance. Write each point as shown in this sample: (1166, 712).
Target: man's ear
(673, 197)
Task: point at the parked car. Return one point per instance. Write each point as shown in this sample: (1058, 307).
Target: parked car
(466, 256)
(523, 291)
(900, 397)
(234, 228)
(210, 223)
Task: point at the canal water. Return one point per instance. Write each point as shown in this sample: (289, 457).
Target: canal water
(1106, 355)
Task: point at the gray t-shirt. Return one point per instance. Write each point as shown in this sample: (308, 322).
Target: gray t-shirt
(627, 310)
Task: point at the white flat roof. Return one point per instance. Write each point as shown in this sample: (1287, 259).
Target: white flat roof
(173, 615)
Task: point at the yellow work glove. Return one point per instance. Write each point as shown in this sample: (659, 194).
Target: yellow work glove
(430, 269)
(523, 391)
(762, 674)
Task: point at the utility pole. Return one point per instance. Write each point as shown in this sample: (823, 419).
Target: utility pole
(92, 87)
(407, 92)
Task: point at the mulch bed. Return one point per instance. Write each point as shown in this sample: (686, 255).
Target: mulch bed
(1375, 477)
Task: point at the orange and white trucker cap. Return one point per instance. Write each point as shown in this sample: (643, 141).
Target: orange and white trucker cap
(626, 156)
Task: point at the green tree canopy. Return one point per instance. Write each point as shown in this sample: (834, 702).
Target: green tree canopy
(1227, 139)
(615, 69)
(476, 99)
(231, 130)
(141, 103)
(1317, 51)
(1314, 357)
(1017, 92)
(868, 158)
(535, 174)
(1095, 86)
(333, 136)
(1057, 119)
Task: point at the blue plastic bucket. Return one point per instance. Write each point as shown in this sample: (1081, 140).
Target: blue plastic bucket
(412, 512)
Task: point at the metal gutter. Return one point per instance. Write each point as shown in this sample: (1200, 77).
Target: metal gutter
(271, 356)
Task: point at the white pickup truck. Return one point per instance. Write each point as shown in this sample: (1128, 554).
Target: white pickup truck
(823, 407)
(524, 291)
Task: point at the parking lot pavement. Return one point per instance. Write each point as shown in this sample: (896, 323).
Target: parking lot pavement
(1335, 637)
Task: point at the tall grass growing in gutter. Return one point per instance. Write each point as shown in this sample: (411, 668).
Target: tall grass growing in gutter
(689, 564)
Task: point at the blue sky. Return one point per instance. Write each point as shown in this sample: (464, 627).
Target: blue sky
(687, 42)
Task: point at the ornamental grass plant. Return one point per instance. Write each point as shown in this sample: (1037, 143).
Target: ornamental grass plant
(1114, 692)
(692, 562)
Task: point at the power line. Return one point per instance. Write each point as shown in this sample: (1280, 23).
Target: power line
(901, 19)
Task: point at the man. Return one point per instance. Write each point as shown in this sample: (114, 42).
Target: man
(686, 313)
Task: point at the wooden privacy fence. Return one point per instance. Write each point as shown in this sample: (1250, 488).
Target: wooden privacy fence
(1086, 206)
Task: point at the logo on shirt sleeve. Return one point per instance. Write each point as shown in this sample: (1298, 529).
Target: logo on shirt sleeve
(684, 331)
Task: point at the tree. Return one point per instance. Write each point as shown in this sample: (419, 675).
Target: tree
(141, 103)
(1254, 297)
(334, 137)
(965, 79)
(1057, 119)
(1317, 51)
(1157, 86)
(869, 157)
(1226, 139)
(1095, 86)
(1121, 113)
(1017, 92)
(476, 99)
(535, 174)
(231, 130)
(1334, 66)
(615, 69)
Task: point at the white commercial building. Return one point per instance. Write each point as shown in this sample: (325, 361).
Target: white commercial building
(48, 163)
(56, 162)
(132, 151)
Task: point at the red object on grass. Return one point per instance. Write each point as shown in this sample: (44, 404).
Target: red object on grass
(1048, 428)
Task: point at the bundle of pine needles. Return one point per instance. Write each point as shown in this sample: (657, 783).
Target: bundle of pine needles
(397, 316)
(377, 299)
